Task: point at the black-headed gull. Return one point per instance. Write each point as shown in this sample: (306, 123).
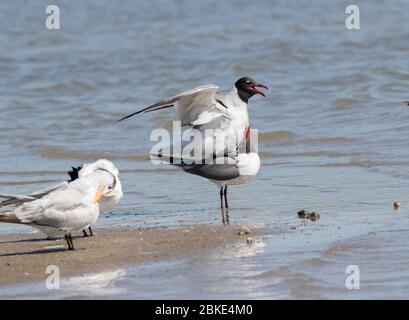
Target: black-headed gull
(207, 107)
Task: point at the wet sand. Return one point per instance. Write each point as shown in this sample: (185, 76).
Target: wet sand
(25, 257)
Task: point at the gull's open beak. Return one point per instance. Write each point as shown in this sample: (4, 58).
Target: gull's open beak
(98, 196)
(259, 85)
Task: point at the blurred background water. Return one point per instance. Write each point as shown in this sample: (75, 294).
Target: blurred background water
(333, 133)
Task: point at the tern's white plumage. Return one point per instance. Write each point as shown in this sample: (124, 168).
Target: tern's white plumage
(112, 199)
(105, 204)
(73, 206)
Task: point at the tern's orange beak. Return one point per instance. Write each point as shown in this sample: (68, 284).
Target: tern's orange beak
(98, 196)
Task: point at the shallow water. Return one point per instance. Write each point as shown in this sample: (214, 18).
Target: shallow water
(333, 135)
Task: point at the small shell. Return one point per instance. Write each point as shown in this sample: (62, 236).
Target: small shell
(303, 214)
(396, 205)
(314, 216)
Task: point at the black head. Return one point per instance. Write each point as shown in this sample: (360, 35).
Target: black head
(247, 87)
(73, 173)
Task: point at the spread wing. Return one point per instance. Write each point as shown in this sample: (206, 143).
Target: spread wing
(194, 107)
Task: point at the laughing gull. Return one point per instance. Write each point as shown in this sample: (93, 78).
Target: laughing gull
(106, 203)
(206, 108)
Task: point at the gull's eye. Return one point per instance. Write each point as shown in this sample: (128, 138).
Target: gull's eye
(248, 82)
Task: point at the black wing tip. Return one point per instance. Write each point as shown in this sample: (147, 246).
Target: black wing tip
(130, 115)
(73, 173)
(145, 110)
(159, 108)
(124, 118)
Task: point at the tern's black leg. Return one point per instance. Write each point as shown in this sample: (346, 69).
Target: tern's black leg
(225, 197)
(227, 216)
(90, 232)
(70, 243)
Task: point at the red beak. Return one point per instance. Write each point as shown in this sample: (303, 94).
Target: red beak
(260, 85)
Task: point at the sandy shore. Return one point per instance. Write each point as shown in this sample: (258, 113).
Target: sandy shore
(25, 257)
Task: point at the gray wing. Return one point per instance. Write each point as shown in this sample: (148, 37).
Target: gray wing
(213, 171)
(17, 200)
(218, 172)
(14, 198)
(189, 104)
